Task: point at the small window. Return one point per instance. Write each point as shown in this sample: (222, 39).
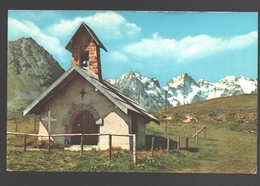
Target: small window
(85, 59)
(85, 63)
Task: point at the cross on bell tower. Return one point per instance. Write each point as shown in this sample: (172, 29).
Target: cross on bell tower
(85, 48)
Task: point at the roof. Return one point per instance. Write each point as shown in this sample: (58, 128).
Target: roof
(92, 34)
(112, 93)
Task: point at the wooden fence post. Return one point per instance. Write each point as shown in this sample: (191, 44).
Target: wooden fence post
(110, 147)
(49, 141)
(196, 139)
(165, 126)
(34, 127)
(178, 143)
(152, 145)
(168, 144)
(16, 127)
(205, 132)
(24, 142)
(187, 141)
(81, 144)
(134, 148)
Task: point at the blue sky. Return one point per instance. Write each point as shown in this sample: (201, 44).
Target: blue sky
(206, 45)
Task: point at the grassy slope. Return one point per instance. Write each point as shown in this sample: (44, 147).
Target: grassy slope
(236, 110)
(240, 101)
(224, 150)
(17, 84)
(227, 148)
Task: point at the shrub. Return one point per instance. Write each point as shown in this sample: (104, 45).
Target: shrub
(43, 144)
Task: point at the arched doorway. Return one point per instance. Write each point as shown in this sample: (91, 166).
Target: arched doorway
(84, 122)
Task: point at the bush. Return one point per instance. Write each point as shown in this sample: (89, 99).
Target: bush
(43, 144)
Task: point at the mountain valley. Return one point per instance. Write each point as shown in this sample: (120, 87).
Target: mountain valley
(31, 69)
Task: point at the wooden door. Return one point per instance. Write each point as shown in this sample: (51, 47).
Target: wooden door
(84, 122)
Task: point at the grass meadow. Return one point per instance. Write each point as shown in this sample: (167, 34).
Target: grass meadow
(230, 146)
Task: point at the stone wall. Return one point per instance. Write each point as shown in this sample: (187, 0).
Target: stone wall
(85, 49)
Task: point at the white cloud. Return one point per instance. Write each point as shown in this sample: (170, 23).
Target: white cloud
(64, 27)
(241, 41)
(50, 37)
(114, 25)
(132, 29)
(188, 47)
(29, 29)
(117, 56)
(156, 46)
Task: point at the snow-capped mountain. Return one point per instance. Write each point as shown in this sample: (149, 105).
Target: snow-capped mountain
(183, 90)
(143, 90)
(229, 86)
(179, 90)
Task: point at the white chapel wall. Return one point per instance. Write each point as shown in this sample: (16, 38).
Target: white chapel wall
(115, 124)
(114, 119)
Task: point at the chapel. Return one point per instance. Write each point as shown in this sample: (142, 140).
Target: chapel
(80, 101)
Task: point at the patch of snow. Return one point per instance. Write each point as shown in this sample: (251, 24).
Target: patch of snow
(246, 85)
(151, 93)
(145, 80)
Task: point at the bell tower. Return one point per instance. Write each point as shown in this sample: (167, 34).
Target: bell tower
(85, 48)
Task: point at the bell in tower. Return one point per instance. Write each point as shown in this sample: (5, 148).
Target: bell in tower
(85, 60)
(85, 48)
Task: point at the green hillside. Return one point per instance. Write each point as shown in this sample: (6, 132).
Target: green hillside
(231, 102)
(232, 109)
(30, 70)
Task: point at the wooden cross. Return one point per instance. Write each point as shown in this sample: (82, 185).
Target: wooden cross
(49, 119)
(82, 93)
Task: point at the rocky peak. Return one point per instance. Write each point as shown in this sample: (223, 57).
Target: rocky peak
(25, 56)
(180, 90)
(135, 74)
(181, 79)
(141, 89)
(182, 82)
(31, 69)
(155, 82)
(228, 80)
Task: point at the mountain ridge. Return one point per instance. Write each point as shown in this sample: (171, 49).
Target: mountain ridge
(180, 90)
(31, 69)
